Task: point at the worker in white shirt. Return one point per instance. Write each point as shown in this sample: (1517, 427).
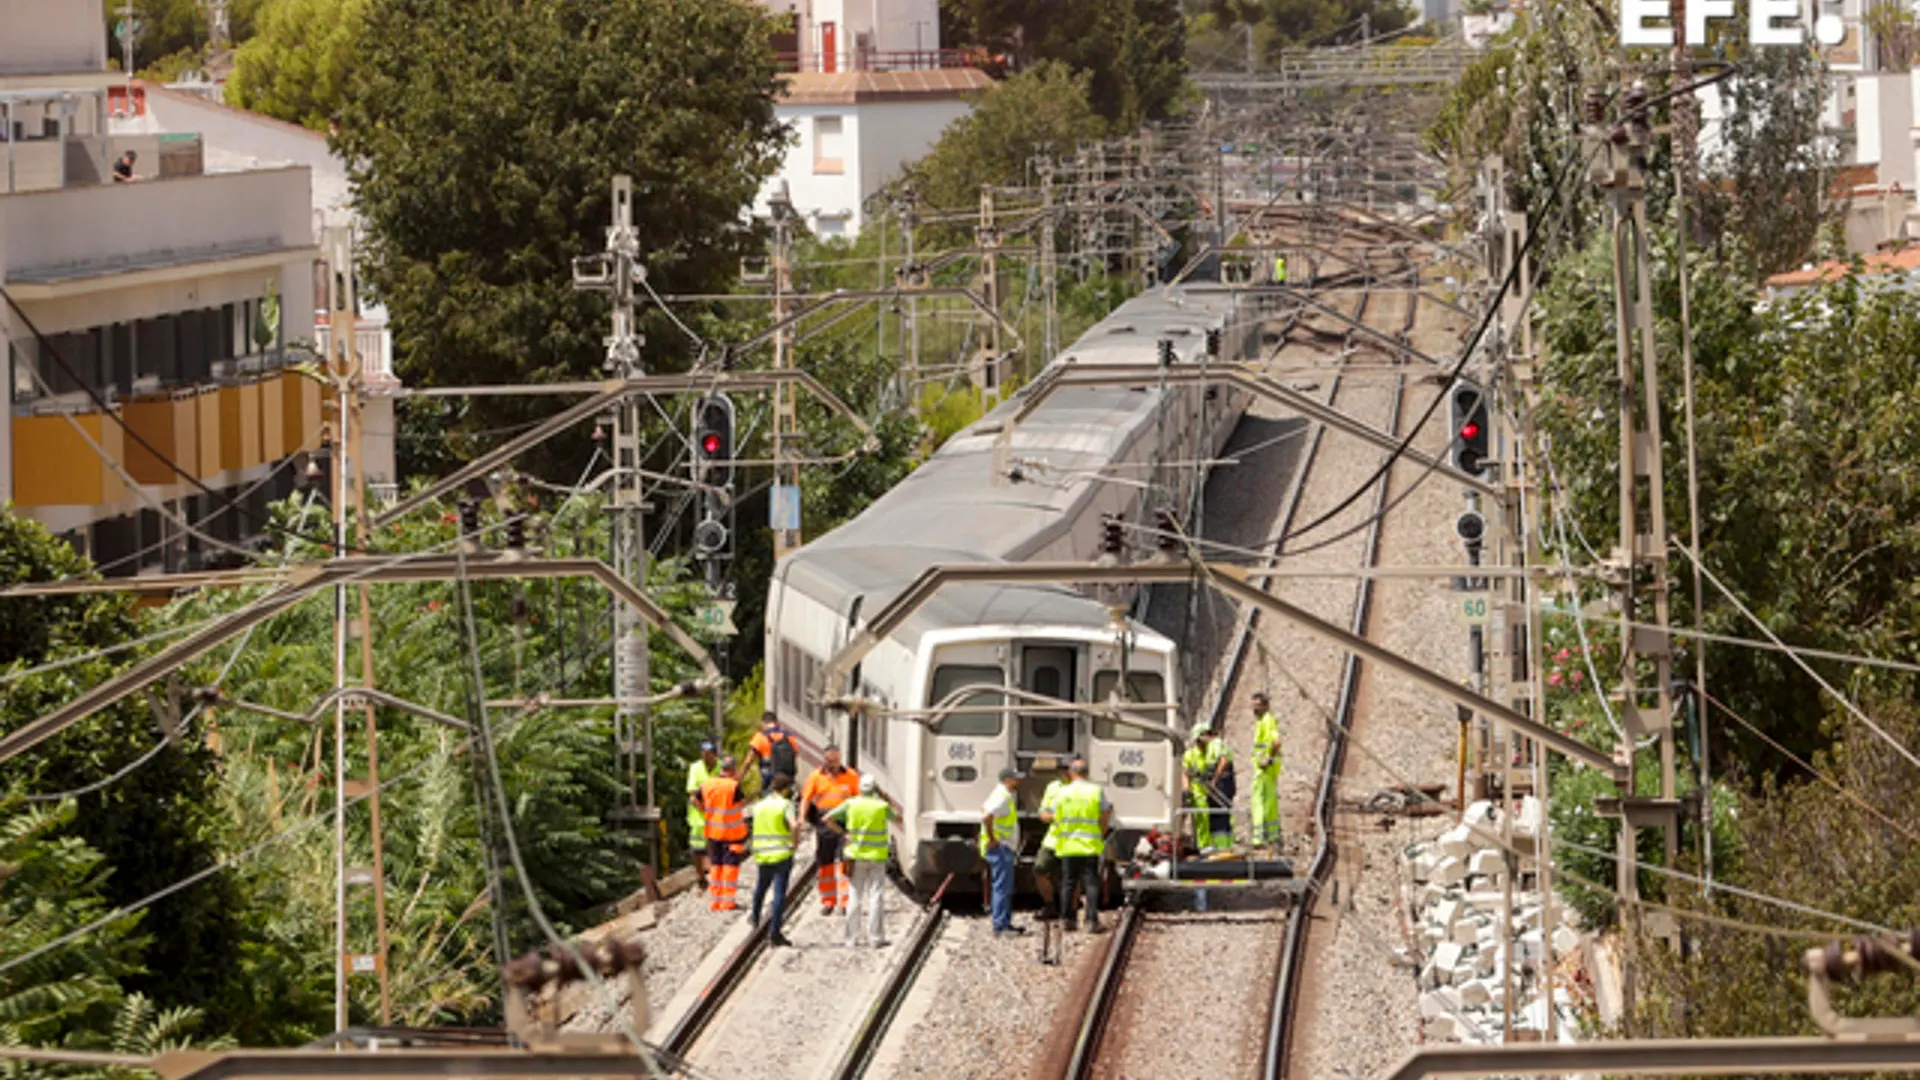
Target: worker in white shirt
(1000, 843)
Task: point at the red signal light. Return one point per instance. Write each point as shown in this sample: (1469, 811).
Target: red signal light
(710, 444)
(1469, 430)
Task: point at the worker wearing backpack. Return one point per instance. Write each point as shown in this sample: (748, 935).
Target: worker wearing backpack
(775, 749)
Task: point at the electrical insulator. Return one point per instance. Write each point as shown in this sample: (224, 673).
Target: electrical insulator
(1213, 342)
(517, 533)
(519, 605)
(1166, 353)
(469, 518)
(713, 441)
(1469, 450)
(1169, 531)
(1112, 539)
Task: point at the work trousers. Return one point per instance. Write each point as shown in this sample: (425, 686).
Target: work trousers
(774, 876)
(1083, 871)
(869, 894)
(1000, 865)
(1221, 827)
(723, 879)
(830, 875)
(1202, 821)
(1266, 807)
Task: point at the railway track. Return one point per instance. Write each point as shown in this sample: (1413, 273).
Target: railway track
(834, 1051)
(1090, 1053)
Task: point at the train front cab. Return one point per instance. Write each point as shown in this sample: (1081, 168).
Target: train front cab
(981, 736)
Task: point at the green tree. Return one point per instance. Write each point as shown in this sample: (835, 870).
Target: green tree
(1134, 51)
(295, 68)
(173, 33)
(153, 825)
(52, 883)
(1043, 110)
(482, 140)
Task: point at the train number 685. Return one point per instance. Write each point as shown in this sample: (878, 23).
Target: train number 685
(1135, 758)
(960, 751)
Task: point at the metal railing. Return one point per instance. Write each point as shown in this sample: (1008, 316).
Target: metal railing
(846, 60)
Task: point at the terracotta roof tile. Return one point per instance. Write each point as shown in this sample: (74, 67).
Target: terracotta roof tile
(1890, 262)
(855, 87)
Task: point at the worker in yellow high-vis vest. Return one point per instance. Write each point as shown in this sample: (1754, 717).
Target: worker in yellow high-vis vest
(771, 841)
(1080, 816)
(698, 773)
(1266, 773)
(865, 820)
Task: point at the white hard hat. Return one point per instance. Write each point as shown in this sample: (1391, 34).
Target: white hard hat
(868, 784)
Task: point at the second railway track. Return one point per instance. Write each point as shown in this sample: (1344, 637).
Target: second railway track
(817, 1010)
(1116, 1036)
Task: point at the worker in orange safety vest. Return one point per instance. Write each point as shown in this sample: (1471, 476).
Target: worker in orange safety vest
(726, 836)
(830, 785)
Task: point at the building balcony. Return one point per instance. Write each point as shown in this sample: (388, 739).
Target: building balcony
(372, 345)
(843, 60)
(72, 454)
(68, 242)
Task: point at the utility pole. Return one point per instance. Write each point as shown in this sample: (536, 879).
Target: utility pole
(1637, 567)
(617, 271)
(987, 373)
(784, 501)
(349, 437)
(1049, 263)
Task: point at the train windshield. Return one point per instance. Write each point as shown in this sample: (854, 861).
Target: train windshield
(979, 712)
(1143, 686)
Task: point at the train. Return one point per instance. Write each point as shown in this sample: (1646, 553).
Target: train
(976, 654)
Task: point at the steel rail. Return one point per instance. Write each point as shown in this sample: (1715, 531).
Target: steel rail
(1286, 993)
(1106, 993)
(1244, 635)
(893, 993)
(693, 1023)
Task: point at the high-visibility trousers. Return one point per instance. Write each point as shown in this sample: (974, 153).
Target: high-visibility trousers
(1202, 825)
(1266, 806)
(723, 882)
(829, 872)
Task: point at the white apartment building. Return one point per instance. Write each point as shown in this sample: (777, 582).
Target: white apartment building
(172, 301)
(1875, 102)
(236, 140)
(868, 90)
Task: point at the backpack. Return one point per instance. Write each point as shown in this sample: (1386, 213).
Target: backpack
(782, 757)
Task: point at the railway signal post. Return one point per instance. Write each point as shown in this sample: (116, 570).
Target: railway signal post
(616, 271)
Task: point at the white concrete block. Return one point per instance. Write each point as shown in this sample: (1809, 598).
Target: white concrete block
(1433, 934)
(1463, 971)
(1466, 932)
(1527, 822)
(1432, 1005)
(1486, 960)
(1478, 812)
(1486, 864)
(1526, 917)
(1474, 992)
(1565, 939)
(1487, 900)
(1443, 1029)
(1532, 946)
(1445, 914)
(1457, 842)
(1423, 864)
(1450, 871)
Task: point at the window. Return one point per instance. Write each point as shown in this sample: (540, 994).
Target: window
(950, 677)
(1142, 686)
(828, 151)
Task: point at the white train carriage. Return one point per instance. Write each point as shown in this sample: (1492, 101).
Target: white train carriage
(983, 652)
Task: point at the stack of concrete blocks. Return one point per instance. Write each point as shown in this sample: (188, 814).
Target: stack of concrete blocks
(1457, 892)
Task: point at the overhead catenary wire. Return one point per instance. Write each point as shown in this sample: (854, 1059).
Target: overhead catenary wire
(1842, 698)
